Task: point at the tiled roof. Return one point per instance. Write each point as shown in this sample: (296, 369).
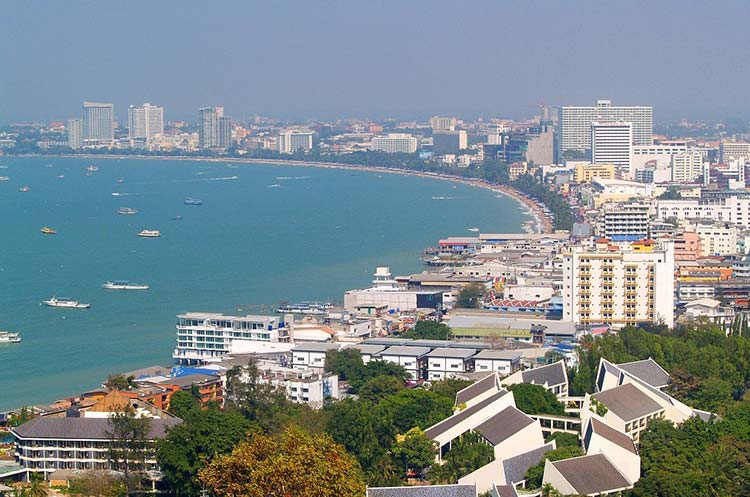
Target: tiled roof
(614, 436)
(503, 425)
(475, 389)
(447, 424)
(424, 491)
(628, 402)
(506, 491)
(515, 468)
(551, 374)
(81, 428)
(647, 370)
(593, 474)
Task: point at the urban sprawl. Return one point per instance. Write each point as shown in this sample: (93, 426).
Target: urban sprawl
(550, 362)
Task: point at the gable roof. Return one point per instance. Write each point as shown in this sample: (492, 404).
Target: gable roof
(424, 491)
(82, 428)
(445, 425)
(609, 433)
(503, 425)
(477, 388)
(648, 371)
(515, 468)
(592, 474)
(505, 491)
(551, 374)
(628, 402)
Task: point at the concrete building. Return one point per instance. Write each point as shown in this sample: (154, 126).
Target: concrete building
(600, 438)
(585, 172)
(449, 142)
(717, 239)
(553, 377)
(312, 355)
(413, 359)
(686, 167)
(574, 124)
(387, 292)
(98, 123)
(660, 155)
(438, 123)
(448, 362)
(75, 133)
(145, 121)
(504, 362)
(733, 150)
(208, 127)
(628, 409)
(611, 143)
(225, 132)
(292, 140)
(687, 247)
(403, 143)
(619, 285)
(586, 475)
(626, 222)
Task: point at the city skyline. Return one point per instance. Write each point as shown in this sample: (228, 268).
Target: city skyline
(519, 56)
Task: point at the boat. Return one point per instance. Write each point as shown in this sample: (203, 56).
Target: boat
(48, 231)
(305, 308)
(474, 230)
(67, 303)
(123, 285)
(92, 168)
(9, 337)
(176, 218)
(149, 234)
(193, 201)
(120, 180)
(24, 189)
(126, 210)
(60, 176)
(4, 178)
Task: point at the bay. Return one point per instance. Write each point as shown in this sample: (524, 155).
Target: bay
(265, 233)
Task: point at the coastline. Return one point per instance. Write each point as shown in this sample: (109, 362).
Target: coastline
(541, 223)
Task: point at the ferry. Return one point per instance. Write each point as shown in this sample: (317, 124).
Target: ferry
(67, 303)
(48, 231)
(305, 308)
(126, 210)
(24, 189)
(92, 168)
(193, 201)
(149, 234)
(123, 285)
(8, 337)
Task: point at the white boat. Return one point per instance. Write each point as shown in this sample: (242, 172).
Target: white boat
(67, 303)
(150, 234)
(8, 337)
(123, 285)
(127, 211)
(92, 168)
(4, 178)
(474, 230)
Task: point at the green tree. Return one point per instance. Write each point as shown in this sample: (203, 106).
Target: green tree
(414, 407)
(429, 330)
(37, 486)
(380, 387)
(96, 483)
(535, 399)
(258, 400)
(188, 446)
(346, 363)
(294, 463)
(470, 296)
(119, 382)
(356, 426)
(414, 451)
(467, 454)
(564, 439)
(130, 445)
(449, 387)
(182, 404)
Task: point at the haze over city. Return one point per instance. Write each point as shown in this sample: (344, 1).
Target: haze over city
(374, 59)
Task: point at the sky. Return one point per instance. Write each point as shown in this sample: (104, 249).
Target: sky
(407, 59)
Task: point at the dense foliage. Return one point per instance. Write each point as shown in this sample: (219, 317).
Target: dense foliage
(348, 365)
(556, 204)
(467, 454)
(535, 399)
(470, 296)
(429, 330)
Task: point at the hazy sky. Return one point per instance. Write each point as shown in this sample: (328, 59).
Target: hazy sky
(373, 58)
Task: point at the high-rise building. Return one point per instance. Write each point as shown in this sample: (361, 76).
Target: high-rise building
(145, 121)
(395, 143)
(449, 142)
(208, 127)
(75, 133)
(438, 123)
(619, 285)
(611, 143)
(292, 140)
(225, 132)
(686, 167)
(98, 123)
(574, 124)
(626, 222)
(733, 150)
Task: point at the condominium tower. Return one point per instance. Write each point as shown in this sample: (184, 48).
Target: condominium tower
(395, 143)
(98, 123)
(574, 124)
(75, 133)
(292, 140)
(611, 143)
(145, 121)
(214, 129)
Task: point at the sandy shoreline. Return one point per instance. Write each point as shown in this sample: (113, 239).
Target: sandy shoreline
(541, 222)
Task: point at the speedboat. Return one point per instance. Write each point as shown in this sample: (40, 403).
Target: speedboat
(474, 230)
(176, 218)
(126, 210)
(120, 181)
(4, 178)
(8, 337)
(48, 231)
(193, 201)
(67, 303)
(123, 285)
(92, 168)
(150, 234)
(24, 189)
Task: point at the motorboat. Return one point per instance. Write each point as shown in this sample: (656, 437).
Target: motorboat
(127, 211)
(66, 303)
(9, 337)
(149, 234)
(123, 285)
(193, 201)
(48, 231)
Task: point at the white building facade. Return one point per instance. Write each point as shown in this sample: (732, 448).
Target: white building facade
(98, 123)
(395, 143)
(611, 143)
(292, 140)
(145, 121)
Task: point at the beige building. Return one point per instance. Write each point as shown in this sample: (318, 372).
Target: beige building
(584, 173)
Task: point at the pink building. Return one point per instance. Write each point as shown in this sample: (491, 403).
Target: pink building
(687, 247)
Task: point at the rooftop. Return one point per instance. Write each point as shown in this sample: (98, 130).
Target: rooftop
(406, 350)
(503, 425)
(627, 402)
(614, 436)
(593, 474)
(452, 353)
(515, 467)
(445, 425)
(424, 491)
(81, 428)
(499, 355)
(648, 371)
(551, 374)
(477, 388)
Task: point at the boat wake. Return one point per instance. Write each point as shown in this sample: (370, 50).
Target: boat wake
(292, 177)
(276, 185)
(119, 194)
(444, 198)
(222, 178)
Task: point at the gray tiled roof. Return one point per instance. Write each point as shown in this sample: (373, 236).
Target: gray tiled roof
(424, 491)
(503, 425)
(628, 402)
(592, 474)
(405, 350)
(647, 370)
(606, 431)
(81, 428)
(447, 424)
(504, 355)
(452, 353)
(515, 468)
(551, 374)
(475, 389)
(506, 491)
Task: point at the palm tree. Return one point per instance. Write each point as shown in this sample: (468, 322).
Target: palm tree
(37, 487)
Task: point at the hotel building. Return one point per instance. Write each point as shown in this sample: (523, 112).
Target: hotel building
(145, 121)
(98, 123)
(395, 143)
(611, 143)
(292, 140)
(619, 285)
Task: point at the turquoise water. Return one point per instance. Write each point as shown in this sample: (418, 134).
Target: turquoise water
(263, 234)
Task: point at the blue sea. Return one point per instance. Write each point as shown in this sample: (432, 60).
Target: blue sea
(264, 234)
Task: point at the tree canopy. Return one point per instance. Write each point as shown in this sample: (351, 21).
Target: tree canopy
(535, 399)
(429, 330)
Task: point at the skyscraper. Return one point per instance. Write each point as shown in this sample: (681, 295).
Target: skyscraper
(75, 133)
(98, 123)
(208, 127)
(145, 121)
(574, 124)
(293, 140)
(225, 132)
(611, 143)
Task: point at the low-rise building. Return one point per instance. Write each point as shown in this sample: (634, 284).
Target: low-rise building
(413, 359)
(586, 475)
(311, 355)
(445, 362)
(627, 409)
(553, 377)
(504, 362)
